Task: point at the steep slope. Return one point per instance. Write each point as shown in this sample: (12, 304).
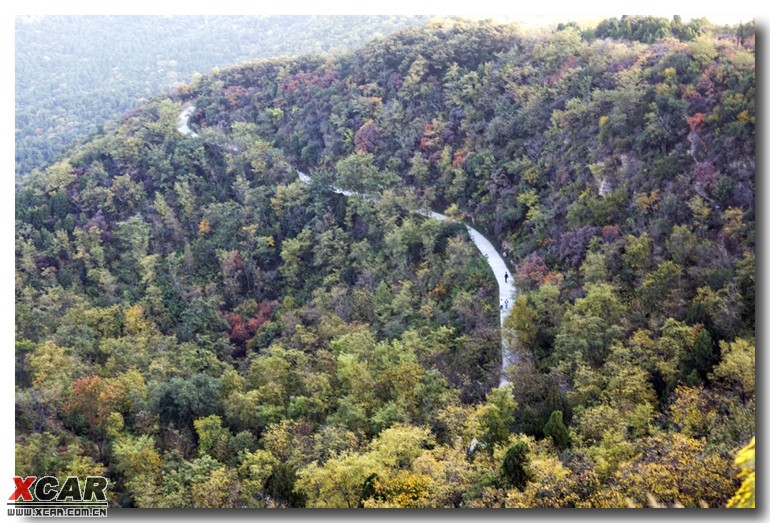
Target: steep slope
(190, 315)
(505, 283)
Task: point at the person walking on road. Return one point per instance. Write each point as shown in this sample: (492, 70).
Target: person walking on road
(506, 276)
(506, 304)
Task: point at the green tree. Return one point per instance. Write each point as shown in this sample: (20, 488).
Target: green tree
(516, 471)
(181, 401)
(254, 471)
(698, 363)
(138, 461)
(336, 483)
(523, 318)
(217, 491)
(591, 326)
(213, 438)
(556, 430)
(497, 416)
(358, 172)
(737, 368)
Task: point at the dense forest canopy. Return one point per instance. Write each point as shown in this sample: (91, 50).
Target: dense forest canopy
(208, 331)
(74, 73)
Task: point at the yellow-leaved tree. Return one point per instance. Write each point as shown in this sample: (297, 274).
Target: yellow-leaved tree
(744, 498)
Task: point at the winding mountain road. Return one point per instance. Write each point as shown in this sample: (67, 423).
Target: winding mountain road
(506, 290)
(506, 287)
(184, 120)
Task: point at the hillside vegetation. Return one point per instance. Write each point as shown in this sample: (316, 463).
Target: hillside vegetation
(208, 331)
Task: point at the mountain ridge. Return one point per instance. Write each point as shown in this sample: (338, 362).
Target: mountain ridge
(238, 327)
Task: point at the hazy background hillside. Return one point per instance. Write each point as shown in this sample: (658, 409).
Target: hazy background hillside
(73, 73)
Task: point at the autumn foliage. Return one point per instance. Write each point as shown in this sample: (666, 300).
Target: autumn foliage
(207, 329)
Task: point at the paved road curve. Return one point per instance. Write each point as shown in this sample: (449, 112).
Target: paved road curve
(184, 119)
(507, 290)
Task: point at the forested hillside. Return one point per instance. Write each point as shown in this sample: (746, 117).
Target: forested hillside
(208, 331)
(74, 73)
